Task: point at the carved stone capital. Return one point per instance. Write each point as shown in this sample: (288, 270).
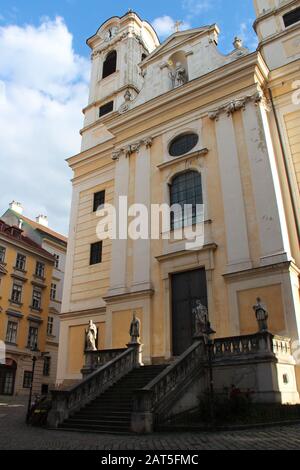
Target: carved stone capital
(237, 105)
(117, 154)
(148, 142)
(132, 148)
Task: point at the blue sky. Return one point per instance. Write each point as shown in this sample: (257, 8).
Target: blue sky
(84, 17)
(44, 79)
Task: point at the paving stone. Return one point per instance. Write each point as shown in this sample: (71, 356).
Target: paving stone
(14, 434)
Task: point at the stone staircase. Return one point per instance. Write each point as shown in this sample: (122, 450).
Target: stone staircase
(111, 411)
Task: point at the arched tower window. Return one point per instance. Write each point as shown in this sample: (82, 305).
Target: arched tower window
(186, 188)
(110, 64)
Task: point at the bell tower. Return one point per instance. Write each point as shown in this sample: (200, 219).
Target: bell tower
(277, 25)
(118, 47)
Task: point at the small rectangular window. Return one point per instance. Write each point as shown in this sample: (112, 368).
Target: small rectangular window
(56, 262)
(40, 270)
(36, 299)
(21, 262)
(99, 200)
(2, 254)
(96, 253)
(292, 17)
(50, 326)
(47, 366)
(32, 337)
(27, 379)
(106, 108)
(16, 295)
(11, 332)
(53, 291)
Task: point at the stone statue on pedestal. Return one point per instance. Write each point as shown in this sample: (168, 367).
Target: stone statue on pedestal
(135, 327)
(91, 337)
(261, 315)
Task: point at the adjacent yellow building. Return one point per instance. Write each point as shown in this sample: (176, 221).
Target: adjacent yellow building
(25, 280)
(179, 122)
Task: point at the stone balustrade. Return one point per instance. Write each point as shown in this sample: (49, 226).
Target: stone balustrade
(96, 359)
(157, 394)
(66, 402)
(256, 344)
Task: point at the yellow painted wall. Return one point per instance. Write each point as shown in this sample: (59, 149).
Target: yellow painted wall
(121, 325)
(6, 291)
(272, 297)
(292, 122)
(77, 344)
(90, 281)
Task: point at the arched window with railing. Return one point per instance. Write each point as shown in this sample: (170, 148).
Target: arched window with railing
(110, 64)
(186, 190)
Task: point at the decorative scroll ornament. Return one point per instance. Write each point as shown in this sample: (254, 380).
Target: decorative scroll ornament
(237, 105)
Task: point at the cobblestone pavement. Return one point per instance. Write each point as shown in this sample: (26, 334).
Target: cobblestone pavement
(14, 434)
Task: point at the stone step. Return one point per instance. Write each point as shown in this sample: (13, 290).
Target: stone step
(111, 411)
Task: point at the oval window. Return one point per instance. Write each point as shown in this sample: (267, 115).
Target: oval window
(183, 144)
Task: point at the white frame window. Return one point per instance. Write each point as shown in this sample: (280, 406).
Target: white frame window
(53, 291)
(20, 262)
(40, 269)
(16, 293)
(56, 262)
(2, 254)
(36, 298)
(11, 331)
(50, 325)
(32, 340)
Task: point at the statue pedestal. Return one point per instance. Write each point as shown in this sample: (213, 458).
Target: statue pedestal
(139, 352)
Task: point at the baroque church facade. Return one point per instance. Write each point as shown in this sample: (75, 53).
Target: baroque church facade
(181, 122)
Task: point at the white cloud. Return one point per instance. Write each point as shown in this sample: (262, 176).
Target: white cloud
(43, 87)
(165, 25)
(247, 34)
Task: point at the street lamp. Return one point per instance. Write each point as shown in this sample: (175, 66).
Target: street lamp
(34, 350)
(210, 346)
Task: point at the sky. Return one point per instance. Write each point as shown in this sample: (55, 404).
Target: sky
(44, 79)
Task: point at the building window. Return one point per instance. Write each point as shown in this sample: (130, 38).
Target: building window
(40, 269)
(99, 200)
(2, 254)
(53, 291)
(32, 337)
(186, 188)
(21, 262)
(56, 262)
(110, 64)
(36, 299)
(11, 332)
(47, 365)
(45, 389)
(183, 144)
(16, 295)
(291, 17)
(96, 253)
(27, 379)
(50, 326)
(106, 108)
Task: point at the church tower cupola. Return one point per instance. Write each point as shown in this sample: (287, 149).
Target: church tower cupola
(277, 25)
(118, 47)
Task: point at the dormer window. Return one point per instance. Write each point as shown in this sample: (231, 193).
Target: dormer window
(110, 64)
